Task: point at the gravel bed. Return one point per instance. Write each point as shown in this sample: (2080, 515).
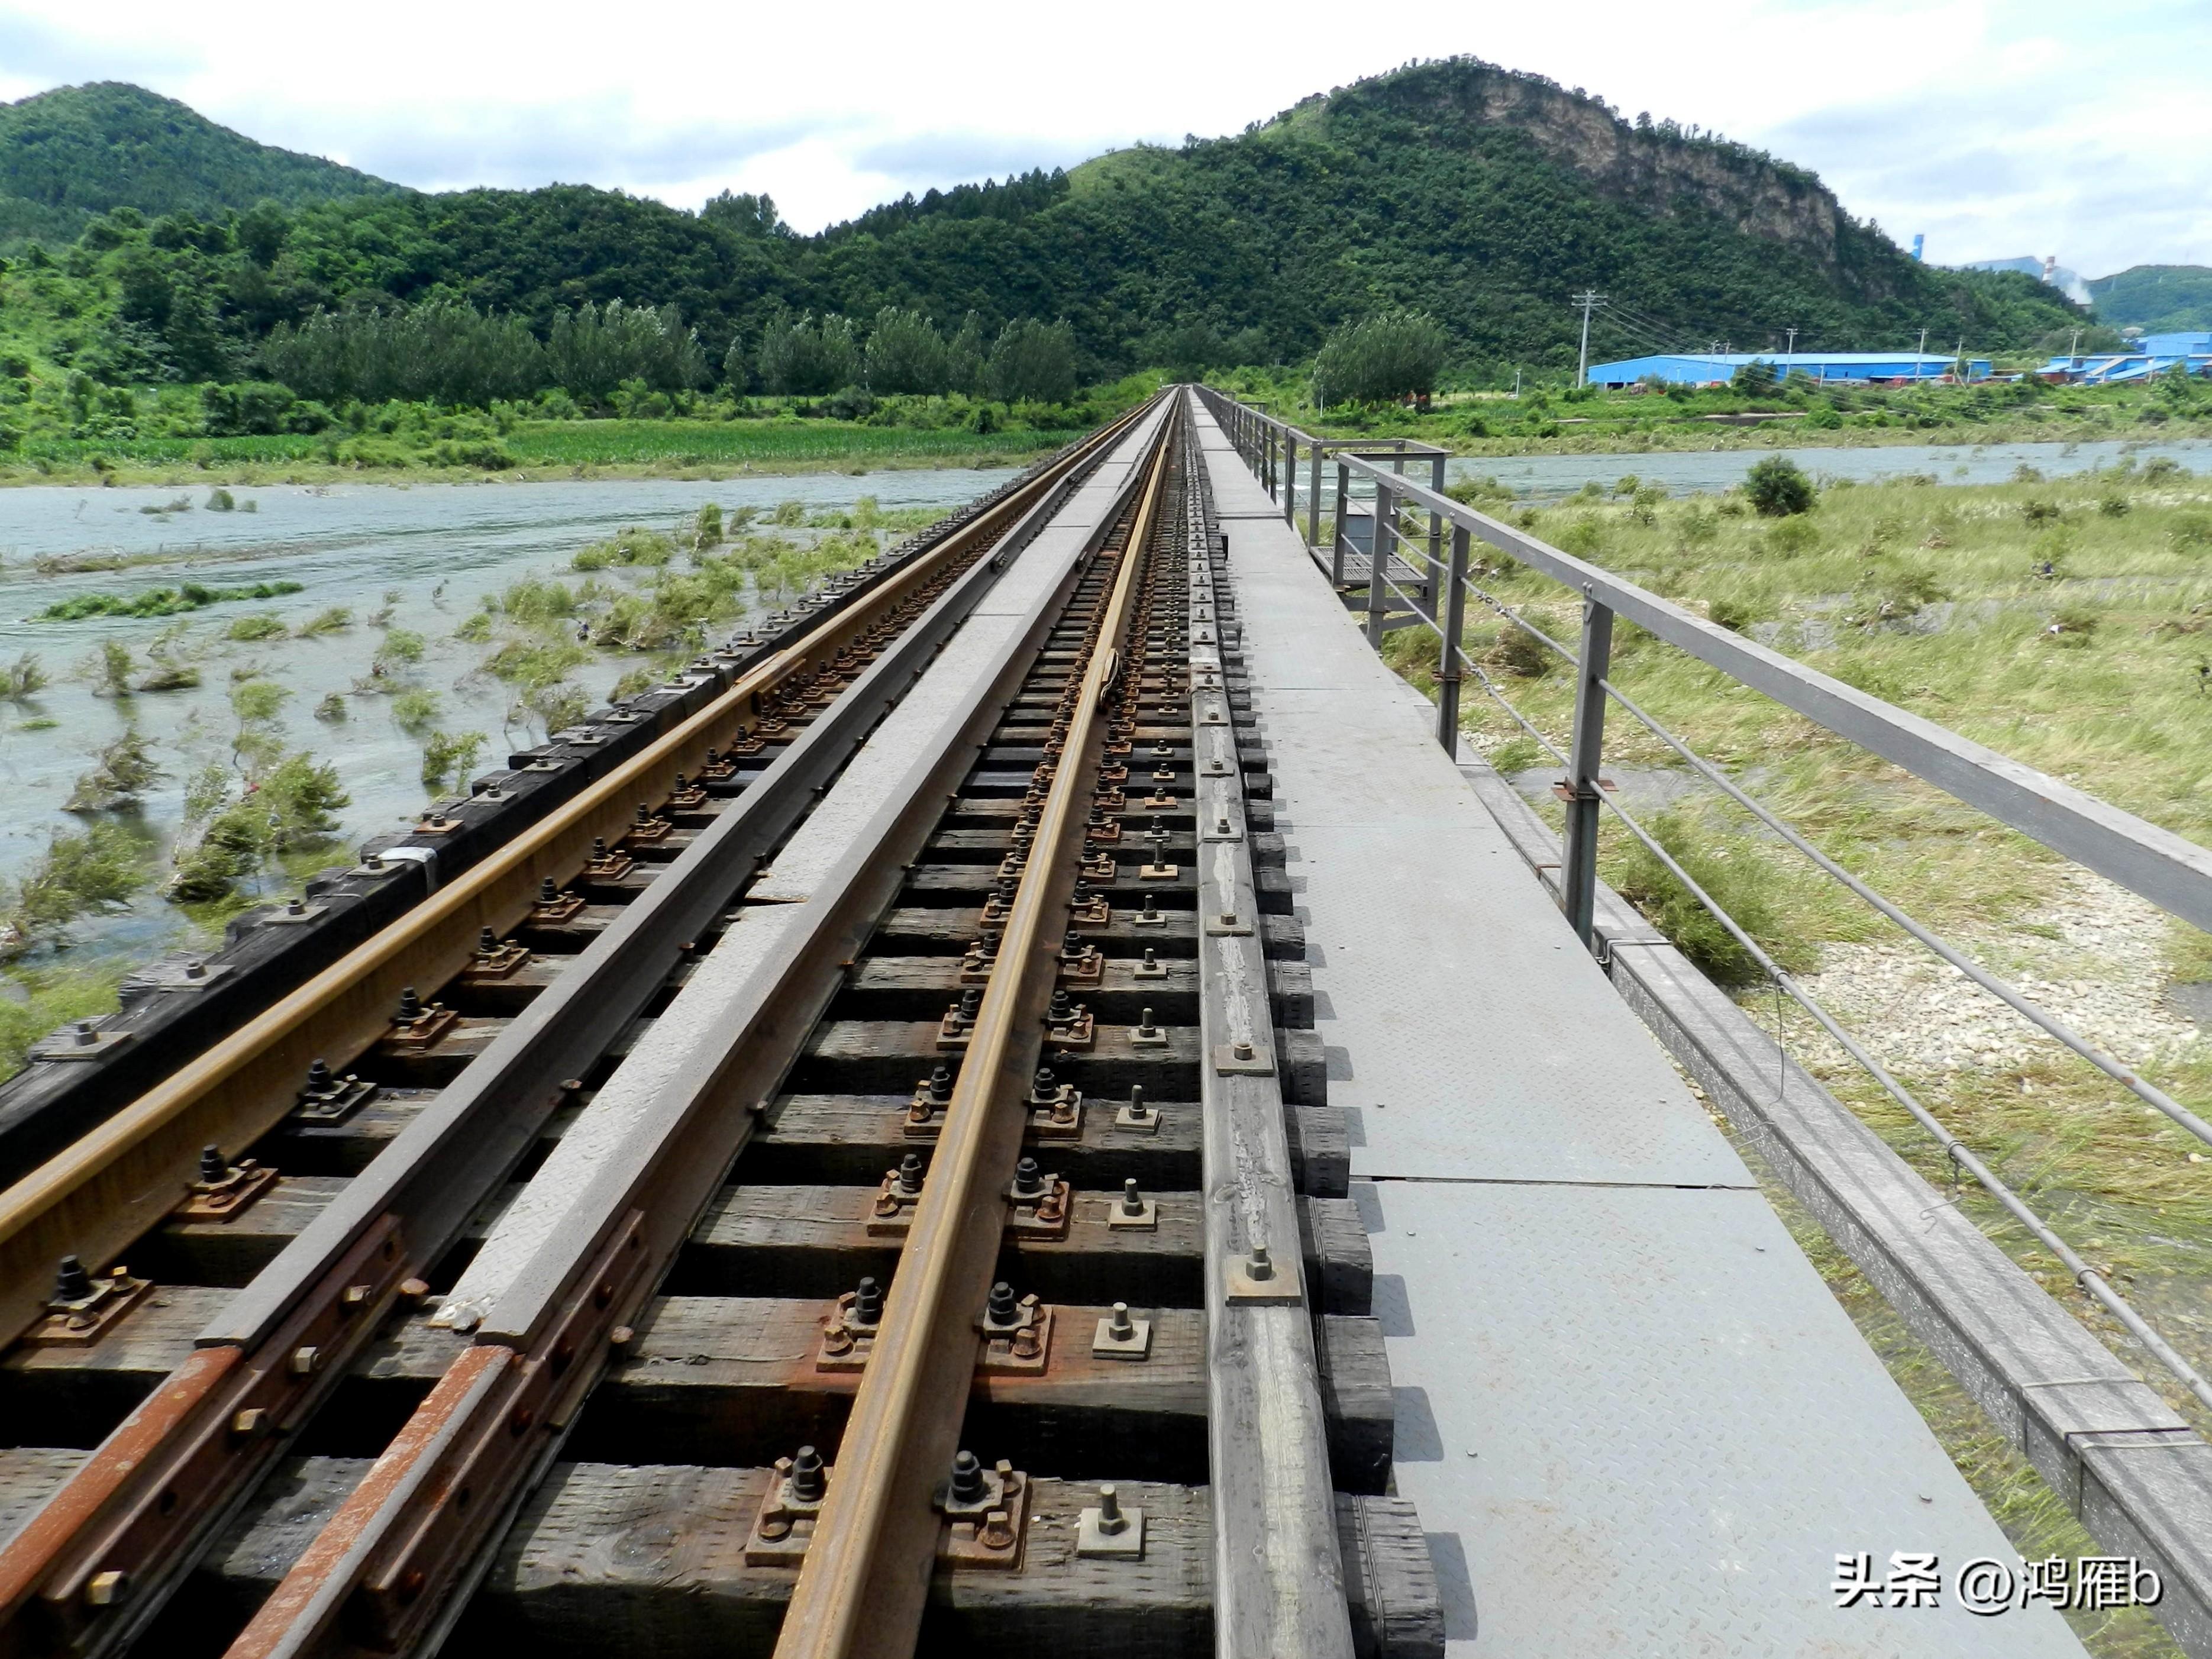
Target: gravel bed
(2104, 974)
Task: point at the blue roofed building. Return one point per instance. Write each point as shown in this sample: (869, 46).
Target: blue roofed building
(2153, 353)
(1710, 367)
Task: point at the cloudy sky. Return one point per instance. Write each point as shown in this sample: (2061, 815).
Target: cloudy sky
(1996, 127)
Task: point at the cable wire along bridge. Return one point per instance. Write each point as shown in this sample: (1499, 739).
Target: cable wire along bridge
(1030, 1105)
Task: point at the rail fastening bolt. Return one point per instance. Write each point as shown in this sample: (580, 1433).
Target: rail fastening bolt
(72, 1282)
(808, 1480)
(967, 1477)
(1111, 1521)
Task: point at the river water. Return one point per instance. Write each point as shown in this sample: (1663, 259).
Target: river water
(438, 548)
(1711, 471)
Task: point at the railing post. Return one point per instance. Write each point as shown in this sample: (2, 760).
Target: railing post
(1290, 476)
(1313, 499)
(1378, 563)
(1343, 503)
(1436, 528)
(1578, 867)
(1453, 614)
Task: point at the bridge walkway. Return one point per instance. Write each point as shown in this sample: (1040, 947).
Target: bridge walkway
(1629, 1413)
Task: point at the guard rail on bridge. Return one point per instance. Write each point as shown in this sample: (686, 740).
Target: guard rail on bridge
(1418, 572)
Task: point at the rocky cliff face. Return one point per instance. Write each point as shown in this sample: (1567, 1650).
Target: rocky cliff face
(1658, 167)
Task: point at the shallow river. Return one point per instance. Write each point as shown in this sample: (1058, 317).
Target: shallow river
(439, 548)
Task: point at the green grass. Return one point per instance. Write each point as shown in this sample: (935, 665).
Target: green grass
(1559, 420)
(161, 601)
(710, 443)
(41, 1000)
(530, 448)
(2067, 624)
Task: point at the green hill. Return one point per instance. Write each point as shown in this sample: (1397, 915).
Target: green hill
(76, 151)
(1484, 196)
(2157, 299)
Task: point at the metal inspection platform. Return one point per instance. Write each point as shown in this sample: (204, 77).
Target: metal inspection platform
(1631, 1415)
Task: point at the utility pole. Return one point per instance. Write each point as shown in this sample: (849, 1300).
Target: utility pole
(1589, 302)
(2074, 349)
(1516, 383)
(1790, 350)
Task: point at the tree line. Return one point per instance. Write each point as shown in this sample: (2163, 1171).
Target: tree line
(448, 351)
(1252, 249)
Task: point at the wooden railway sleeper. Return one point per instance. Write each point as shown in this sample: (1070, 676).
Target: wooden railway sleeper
(363, 1527)
(125, 1478)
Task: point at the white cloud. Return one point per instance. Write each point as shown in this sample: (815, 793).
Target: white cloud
(1996, 126)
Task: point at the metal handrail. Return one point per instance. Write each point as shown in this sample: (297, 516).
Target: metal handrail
(2090, 1278)
(2171, 872)
(2050, 1024)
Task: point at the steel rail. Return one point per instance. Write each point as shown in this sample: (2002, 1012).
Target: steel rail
(1279, 1571)
(392, 1569)
(337, 1279)
(861, 1589)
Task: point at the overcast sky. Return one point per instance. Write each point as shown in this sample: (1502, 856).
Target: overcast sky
(1996, 127)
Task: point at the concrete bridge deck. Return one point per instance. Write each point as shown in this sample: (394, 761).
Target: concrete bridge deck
(1632, 1417)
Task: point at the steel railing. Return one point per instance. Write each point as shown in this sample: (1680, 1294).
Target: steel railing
(2171, 873)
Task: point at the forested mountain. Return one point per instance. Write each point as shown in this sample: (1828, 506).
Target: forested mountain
(1482, 195)
(2157, 299)
(77, 151)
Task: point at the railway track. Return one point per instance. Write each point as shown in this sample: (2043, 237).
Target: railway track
(877, 1193)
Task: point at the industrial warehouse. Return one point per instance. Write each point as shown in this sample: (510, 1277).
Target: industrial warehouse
(1718, 367)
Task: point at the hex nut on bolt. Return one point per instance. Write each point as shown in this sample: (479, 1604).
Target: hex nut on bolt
(1122, 1335)
(1110, 1530)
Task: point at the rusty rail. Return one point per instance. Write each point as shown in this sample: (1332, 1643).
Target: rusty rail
(85, 1572)
(866, 1571)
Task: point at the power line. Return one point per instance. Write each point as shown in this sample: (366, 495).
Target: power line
(1646, 333)
(1643, 337)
